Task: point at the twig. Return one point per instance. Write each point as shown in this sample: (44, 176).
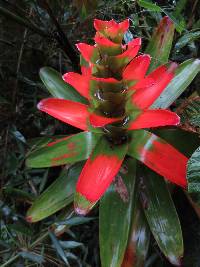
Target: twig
(10, 261)
(4, 158)
(15, 8)
(23, 22)
(19, 64)
(37, 241)
(61, 37)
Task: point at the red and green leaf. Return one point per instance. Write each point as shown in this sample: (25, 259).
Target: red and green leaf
(106, 46)
(100, 121)
(160, 44)
(79, 82)
(117, 63)
(185, 142)
(75, 114)
(159, 156)
(89, 52)
(137, 68)
(111, 29)
(183, 76)
(69, 149)
(97, 174)
(154, 118)
(162, 76)
(57, 87)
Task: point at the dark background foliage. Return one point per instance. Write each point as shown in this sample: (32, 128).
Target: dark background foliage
(41, 33)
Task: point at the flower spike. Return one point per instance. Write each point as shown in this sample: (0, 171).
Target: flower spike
(120, 93)
(111, 29)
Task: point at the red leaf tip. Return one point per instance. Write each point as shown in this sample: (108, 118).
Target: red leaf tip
(172, 67)
(178, 120)
(167, 20)
(29, 219)
(65, 76)
(41, 104)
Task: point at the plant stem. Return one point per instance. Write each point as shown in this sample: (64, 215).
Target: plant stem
(61, 37)
(10, 261)
(22, 21)
(41, 238)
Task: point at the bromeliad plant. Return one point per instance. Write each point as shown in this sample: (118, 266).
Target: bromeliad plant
(118, 94)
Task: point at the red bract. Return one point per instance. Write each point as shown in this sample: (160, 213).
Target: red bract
(120, 94)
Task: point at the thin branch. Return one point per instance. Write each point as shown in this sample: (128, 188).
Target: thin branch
(60, 36)
(6, 13)
(10, 261)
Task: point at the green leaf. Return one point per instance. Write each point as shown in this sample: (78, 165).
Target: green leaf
(85, 7)
(186, 39)
(75, 221)
(115, 217)
(58, 248)
(160, 44)
(18, 194)
(57, 87)
(70, 244)
(59, 194)
(161, 215)
(184, 75)
(32, 256)
(139, 237)
(179, 24)
(39, 142)
(193, 176)
(149, 5)
(66, 150)
(180, 6)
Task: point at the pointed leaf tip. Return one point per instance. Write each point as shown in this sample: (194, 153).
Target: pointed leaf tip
(161, 42)
(54, 83)
(174, 260)
(89, 52)
(29, 219)
(154, 118)
(79, 82)
(70, 112)
(82, 206)
(110, 26)
(162, 76)
(136, 70)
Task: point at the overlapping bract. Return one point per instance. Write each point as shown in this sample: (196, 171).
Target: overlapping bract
(120, 93)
